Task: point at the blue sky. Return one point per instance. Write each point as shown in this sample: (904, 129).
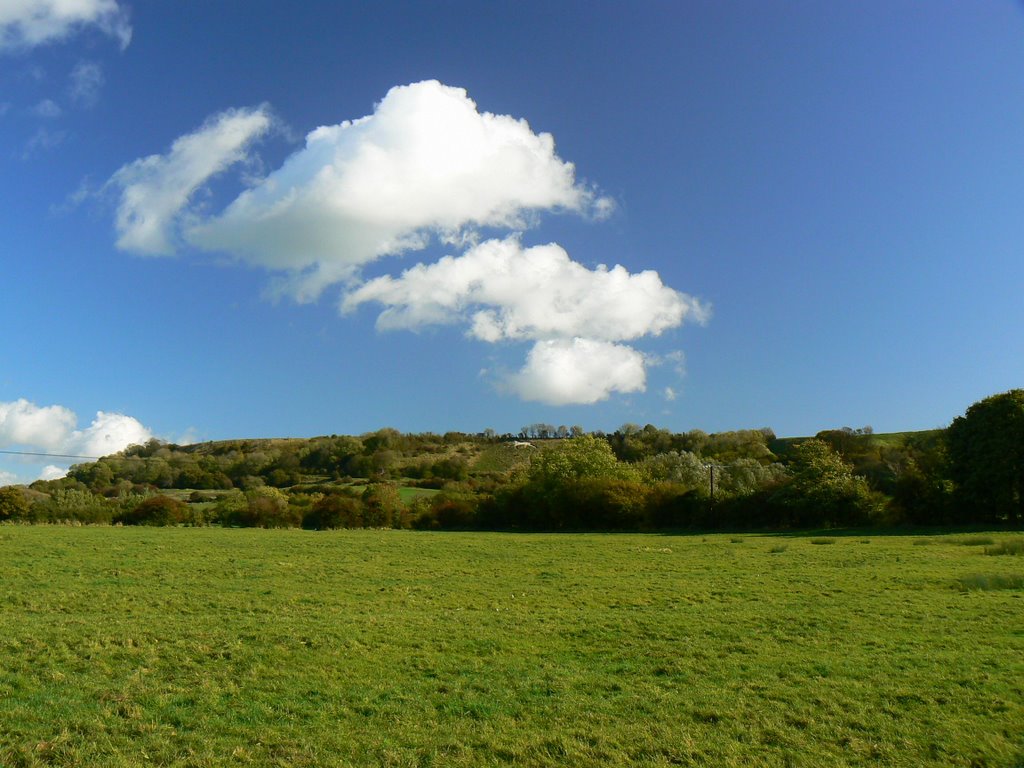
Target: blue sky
(815, 209)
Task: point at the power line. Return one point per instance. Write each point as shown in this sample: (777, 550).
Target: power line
(50, 455)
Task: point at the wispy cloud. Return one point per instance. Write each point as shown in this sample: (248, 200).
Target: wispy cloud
(30, 23)
(155, 191)
(85, 82)
(43, 139)
(47, 108)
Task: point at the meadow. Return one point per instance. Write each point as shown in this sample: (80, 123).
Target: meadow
(209, 647)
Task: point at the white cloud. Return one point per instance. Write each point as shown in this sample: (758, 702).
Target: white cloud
(7, 478)
(47, 108)
(44, 428)
(155, 190)
(425, 163)
(669, 394)
(29, 23)
(52, 472)
(52, 429)
(108, 433)
(578, 371)
(86, 80)
(505, 291)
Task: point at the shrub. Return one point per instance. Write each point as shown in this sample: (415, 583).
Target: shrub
(156, 510)
(383, 505)
(13, 504)
(446, 511)
(260, 507)
(335, 510)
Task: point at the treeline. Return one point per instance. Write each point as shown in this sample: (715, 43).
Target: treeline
(637, 478)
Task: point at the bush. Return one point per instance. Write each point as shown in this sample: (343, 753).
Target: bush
(156, 510)
(259, 507)
(383, 506)
(13, 504)
(335, 510)
(446, 511)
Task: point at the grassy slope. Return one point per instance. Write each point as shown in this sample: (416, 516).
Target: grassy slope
(203, 647)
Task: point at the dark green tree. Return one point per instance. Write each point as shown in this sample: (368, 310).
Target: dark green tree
(986, 457)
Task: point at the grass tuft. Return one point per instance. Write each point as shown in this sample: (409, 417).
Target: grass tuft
(1011, 547)
(974, 541)
(778, 548)
(823, 541)
(985, 583)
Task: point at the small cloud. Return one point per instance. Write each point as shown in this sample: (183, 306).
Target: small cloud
(603, 208)
(25, 25)
(669, 394)
(86, 80)
(47, 108)
(53, 472)
(7, 478)
(577, 372)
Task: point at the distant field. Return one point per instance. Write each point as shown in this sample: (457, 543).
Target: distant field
(210, 647)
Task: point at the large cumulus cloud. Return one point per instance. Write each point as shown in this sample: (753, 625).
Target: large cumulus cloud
(425, 163)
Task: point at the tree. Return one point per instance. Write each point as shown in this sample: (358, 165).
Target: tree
(13, 504)
(986, 455)
(575, 459)
(156, 510)
(382, 505)
(824, 491)
(335, 510)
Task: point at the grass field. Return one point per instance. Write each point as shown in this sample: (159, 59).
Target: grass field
(209, 647)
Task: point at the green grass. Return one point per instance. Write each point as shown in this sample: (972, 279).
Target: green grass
(214, 647)
(502, 457)
(409, 494)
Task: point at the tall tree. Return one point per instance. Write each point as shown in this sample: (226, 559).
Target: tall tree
(986, 455)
